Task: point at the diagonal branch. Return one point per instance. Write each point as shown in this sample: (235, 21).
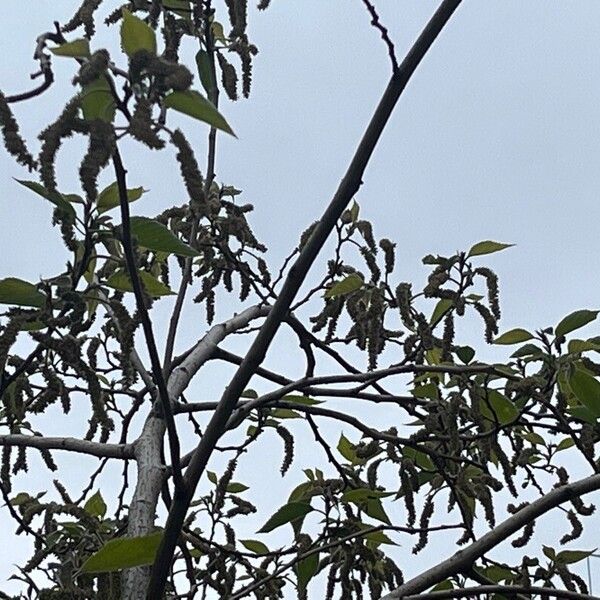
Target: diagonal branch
(348, 187)
(157, 371)
(123, 451)
(464, 559)
(505, 590)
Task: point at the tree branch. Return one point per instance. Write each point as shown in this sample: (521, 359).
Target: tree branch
(213, 96)
(123, 451)
(347, 189)
(463, 559)
(505, 590)
(157, 372)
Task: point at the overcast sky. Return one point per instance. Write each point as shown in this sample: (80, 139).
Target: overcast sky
(496, 137)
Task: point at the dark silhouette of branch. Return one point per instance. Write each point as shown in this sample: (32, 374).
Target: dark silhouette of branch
(157, 371)
(464, 559)
(348, 187)
(45, 66)
(385, 36)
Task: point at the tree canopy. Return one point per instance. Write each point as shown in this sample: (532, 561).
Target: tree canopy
(472, 455)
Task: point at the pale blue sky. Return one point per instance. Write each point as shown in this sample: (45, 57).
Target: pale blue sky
(496, 137)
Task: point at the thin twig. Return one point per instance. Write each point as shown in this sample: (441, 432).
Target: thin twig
(385, 36)
(157, 371)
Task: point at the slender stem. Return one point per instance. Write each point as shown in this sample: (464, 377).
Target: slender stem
(213, 96)
(157, 372)
(294, 279)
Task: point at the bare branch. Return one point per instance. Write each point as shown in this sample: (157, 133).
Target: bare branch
(505, 590)
(101, 450)
(466, 558)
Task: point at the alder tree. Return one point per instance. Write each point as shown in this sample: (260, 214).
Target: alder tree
(474, 454)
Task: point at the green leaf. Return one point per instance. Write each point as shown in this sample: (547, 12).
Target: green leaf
(97, 101)
(583, 413)
(487, 247)
(500, 408)
(419, 458)
(577, 346)
(549, 552)
(378, 537)
(212, 477)
(179, 7)
(574, 321)
(465, 353)
(347, 449)
(297, 399)
(217, 31)
(54, 197)
(156, 236)
(568, 557)
(77, 49)
(235, 487)
(123, 553)
(498, 574)
(255, 546)
(195, 105)
(108, 198)
(428, 390)
(95, 505)
(527, 350)
(20, 293)
(306, 569)
(514, 336)
(20, 499)
(442, 586)
(136, 35)
(587, 390)
(441, 308)
(286, 514)
(249, 394)
(285, 413)
(534, 438)
(565, 444)
(375, 510)
(121, 281)
(204, 70)
(360, 495)
(349, 284)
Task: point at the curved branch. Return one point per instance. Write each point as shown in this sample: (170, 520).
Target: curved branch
(122, 451)
(505, 590)
(348, 187)
(463, 559)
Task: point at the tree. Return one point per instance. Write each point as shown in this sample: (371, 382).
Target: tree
(477, 431)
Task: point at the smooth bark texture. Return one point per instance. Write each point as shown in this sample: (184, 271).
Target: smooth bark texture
(150, 469)
(101, 450)
(348, 187)
(464, 559)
